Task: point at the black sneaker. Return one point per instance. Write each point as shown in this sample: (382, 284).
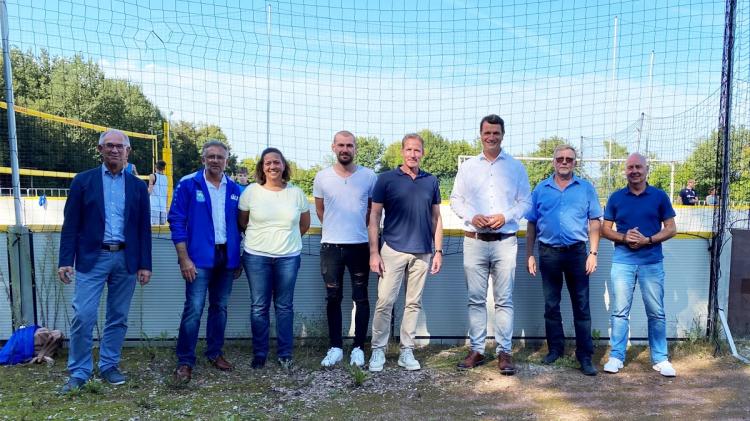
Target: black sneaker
(587, 367)
(551, 358)
(258, 363)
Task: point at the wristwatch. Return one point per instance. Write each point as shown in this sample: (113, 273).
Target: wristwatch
(593, 253)
(438, 251)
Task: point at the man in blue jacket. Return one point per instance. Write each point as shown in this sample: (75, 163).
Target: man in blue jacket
(203, 220)
(106, 234)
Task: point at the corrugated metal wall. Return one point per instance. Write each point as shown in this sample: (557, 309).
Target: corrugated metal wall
(156, 308)
(6, 320)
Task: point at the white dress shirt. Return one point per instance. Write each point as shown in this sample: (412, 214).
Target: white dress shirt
(484, 187)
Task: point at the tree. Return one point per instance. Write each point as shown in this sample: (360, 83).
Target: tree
(612, 174)
(369, 152)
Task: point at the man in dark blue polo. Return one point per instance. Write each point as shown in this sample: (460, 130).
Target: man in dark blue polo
(644, 218)
(564, 215)
(106, 234)
(411, 200)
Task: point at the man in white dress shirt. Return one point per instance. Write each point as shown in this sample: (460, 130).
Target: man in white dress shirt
(491, 194)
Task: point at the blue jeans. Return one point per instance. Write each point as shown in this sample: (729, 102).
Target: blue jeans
(482, 260)
(271, 278)
(110, 269)
(651, 279)
(218, 283)
(554, 262)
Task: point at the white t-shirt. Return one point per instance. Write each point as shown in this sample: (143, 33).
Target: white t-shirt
(273, 227)
(345, 201)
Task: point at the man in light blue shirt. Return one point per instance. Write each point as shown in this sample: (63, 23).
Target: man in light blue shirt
(565, 213)
(490, 194)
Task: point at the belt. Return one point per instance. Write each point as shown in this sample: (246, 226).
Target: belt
(113, 247)
(565, 248)
(488, 236)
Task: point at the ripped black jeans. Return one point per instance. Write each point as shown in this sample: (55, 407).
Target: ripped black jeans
(334, 258)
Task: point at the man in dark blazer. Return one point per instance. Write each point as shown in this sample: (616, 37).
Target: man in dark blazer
(106, 234)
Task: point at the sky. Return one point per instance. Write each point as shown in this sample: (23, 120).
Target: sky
(577, 69)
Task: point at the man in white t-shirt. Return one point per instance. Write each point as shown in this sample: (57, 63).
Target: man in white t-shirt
(343, 195)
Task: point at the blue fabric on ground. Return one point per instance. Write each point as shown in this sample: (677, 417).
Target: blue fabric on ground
(20, 347)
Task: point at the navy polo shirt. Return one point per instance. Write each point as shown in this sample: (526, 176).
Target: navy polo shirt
(562, 216)
(407, 204)
(646, 211)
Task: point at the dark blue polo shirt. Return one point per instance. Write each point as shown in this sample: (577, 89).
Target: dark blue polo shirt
(408, 209)
(646, 211)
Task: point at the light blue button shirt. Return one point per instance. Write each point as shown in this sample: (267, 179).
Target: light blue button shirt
(562, 216)
(114, 206)
(218, 199)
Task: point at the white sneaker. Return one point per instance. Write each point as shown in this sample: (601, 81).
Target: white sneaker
(613, 365)
(377, 360)
(665, 369)
(333, 356)
(357, 357)
(407, 360)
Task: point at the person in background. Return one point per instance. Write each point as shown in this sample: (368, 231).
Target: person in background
(274, 214)
(157, 189)
(687, 195)
(712, 199)
(242, 179)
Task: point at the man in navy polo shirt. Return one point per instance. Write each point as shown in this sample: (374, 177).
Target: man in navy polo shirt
(411, 200)
(565, 212)
(644, 218)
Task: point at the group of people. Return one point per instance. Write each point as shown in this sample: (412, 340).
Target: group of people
(688, 196)
(219, 228)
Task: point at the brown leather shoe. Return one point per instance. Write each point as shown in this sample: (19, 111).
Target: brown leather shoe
(183, 374)
(505, 364)
(472, 360)
(222, 364)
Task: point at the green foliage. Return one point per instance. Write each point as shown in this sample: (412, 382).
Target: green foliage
(303, 178)
(369, 152)
(539, 170)
(359, 376)
(612, 175)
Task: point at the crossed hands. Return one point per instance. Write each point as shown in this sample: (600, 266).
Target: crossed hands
(492, 222)
(634, 239)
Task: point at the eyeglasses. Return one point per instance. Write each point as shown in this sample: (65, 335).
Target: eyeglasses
(110, 146)
(565, 159)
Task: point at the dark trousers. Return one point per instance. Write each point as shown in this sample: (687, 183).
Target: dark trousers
(334, 258)
(571, 262)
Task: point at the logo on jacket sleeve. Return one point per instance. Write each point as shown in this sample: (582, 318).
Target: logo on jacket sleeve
(199, 196)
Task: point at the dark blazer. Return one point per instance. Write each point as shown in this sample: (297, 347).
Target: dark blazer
(83, 227)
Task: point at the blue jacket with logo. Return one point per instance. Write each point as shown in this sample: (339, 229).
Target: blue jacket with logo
(190, 220)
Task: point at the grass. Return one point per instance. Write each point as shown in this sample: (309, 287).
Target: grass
(343, 392)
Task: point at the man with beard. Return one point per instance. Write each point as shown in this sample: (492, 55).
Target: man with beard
(343, 198)
(644, 218)
(203, 221)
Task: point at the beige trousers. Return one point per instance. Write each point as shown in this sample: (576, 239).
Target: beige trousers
(398, 264)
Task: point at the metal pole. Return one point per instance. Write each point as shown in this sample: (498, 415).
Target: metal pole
(650, 96)
(640, 131)
(722, 167)
(12, 140)
(268, 77)
(671, 180)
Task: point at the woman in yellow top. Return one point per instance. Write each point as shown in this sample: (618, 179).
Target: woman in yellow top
(274, 214)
